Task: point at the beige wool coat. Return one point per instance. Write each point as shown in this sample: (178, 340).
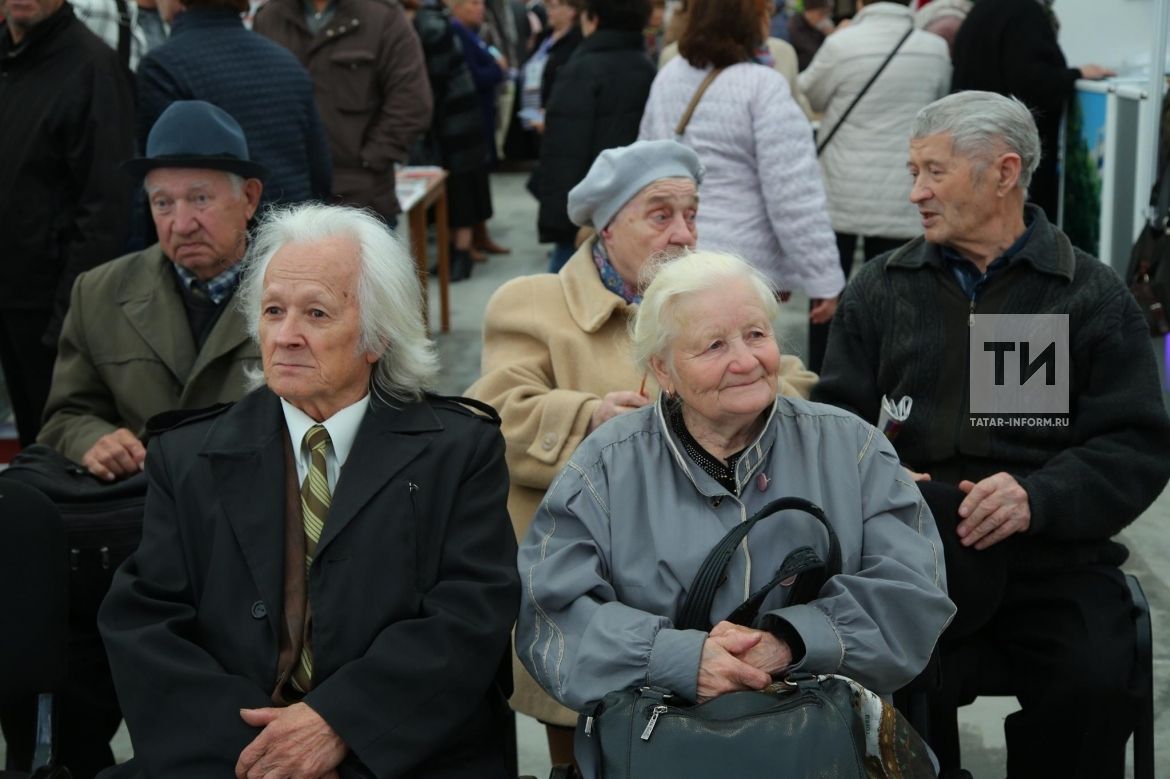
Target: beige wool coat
(554, 345)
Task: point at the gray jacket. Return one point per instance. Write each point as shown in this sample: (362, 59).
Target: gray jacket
(626, 524)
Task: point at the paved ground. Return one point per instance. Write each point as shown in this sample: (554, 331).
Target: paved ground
(982, 731)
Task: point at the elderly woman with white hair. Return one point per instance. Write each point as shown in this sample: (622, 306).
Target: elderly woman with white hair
(624, 528)
(318, 557)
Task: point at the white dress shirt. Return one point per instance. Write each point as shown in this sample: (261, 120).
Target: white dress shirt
(342, 428)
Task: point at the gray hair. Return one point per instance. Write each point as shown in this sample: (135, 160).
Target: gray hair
(981, 124)
(668, 280)
(388, 291)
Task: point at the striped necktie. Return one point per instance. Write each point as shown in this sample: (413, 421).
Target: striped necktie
(315, 497)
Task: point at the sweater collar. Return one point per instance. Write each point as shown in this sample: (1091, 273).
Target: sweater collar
(607, 40)
(590, 304)
(204, 18)
(1047, 249)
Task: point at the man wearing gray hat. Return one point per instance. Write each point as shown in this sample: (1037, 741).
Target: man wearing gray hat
(556, 363)
(149, 332)
(155, 330)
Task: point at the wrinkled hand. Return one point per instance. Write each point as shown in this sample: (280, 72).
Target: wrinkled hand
(614, 403)
(721, 671)
(295, 743)
(770, 655)
(994, 509)
(822, 310)
(1095, 72)
(115, 455)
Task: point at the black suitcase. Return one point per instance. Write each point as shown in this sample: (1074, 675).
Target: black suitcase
(103, 521)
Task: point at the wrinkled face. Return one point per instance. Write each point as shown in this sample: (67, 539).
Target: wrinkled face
(200, 217)
(310, 327)
(955, 196)
(23, 15)
(470, 13)
(660, 218)
(724, 362)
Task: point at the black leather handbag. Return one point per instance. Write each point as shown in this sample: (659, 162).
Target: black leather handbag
(802, 726)
(103, 521)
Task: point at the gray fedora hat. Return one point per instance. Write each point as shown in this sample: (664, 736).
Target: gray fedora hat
(196, 134)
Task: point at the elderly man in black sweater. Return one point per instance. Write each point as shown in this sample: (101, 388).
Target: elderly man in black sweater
(1027, 503)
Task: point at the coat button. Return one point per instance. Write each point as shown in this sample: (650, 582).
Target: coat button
(354, 22)
(329, 33)
(715, 501)
(549, 441)
(259, 610)
(341, 28)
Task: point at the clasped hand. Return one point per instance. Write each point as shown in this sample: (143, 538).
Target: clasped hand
(295, 743)
(739, 658)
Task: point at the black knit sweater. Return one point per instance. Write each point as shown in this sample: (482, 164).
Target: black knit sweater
(902, 329)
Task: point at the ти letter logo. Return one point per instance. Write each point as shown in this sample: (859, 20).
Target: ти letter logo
(1019, 364)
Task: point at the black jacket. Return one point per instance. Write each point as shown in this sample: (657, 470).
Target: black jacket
(455, 139)
(66, 124)
(596, 104)
(413, 588)
(1085, 481)
(1010, 47)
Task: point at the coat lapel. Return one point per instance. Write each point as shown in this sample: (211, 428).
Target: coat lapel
(245, 451)
(388, 439)
(229, 332)
(155, 310)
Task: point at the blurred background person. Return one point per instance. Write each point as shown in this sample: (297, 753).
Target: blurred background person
(370, 84)
(596, 104)
(1010, 47)
(211, 56)
(455, 139)
(66, 122)
(553, 47)
(762, 198)
(489, 68)
(775, 52)
(808, 28)
(864, 165)
(943, 18)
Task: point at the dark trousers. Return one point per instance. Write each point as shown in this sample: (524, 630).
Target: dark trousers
(87, 710)
(1065, 641)
(28, 367)
(872, 246)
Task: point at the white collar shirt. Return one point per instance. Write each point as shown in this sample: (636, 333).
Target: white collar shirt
(342, 428)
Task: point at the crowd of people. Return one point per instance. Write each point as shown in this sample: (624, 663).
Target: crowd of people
(344, 574)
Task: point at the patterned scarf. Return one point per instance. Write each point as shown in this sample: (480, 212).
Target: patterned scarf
(610, 277)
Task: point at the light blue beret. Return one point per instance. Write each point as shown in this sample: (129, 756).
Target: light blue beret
(619, 174)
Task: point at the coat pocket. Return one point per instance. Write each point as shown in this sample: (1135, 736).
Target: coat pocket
(352, 80)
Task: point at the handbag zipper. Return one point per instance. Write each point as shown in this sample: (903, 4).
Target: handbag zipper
(654, 714)
(660, 709)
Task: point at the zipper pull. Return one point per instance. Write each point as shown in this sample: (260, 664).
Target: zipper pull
(589, 726)
(653, 721)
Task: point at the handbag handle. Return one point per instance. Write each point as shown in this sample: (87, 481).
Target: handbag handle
(821, 146)
(696, 609)
(681, 127)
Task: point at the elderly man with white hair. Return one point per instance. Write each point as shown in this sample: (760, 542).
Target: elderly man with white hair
(556, 349)
(1027, 501)
(326, 582)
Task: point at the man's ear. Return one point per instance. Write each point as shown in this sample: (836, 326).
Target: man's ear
(1008, 173)
(252, 191)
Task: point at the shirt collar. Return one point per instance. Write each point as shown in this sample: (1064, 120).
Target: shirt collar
(342, 428)
(970, 278)
(218, 288)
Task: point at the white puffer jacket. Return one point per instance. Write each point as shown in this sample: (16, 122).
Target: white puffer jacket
(761, 197)
(864, 166)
